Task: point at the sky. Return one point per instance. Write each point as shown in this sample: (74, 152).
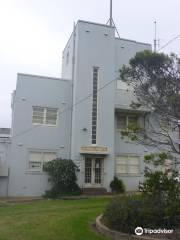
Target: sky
(33, 33)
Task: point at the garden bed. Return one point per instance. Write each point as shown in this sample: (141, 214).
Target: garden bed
(115, 235)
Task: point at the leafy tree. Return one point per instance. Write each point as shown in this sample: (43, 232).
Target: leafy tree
(155, 78)
(160, 178)
(157, 207)
(162, 183)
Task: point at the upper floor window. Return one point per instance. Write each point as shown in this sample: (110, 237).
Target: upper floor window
(45, 115)
(126, 120)
(164, 124)
(37, 158)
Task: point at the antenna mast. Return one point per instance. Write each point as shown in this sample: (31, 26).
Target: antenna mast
(155, 37)
(110, 22)
(111, 19)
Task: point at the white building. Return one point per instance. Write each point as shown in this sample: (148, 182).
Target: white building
(79, 116)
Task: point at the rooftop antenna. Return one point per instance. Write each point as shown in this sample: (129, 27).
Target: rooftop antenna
(110, 22)
(111, 19)
(155, 37)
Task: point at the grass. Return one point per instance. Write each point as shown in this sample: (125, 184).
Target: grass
(51, 220)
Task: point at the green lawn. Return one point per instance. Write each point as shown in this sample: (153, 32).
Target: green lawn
(51, 220)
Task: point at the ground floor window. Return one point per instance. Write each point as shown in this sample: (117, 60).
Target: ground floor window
(128, 164)
(37, 158)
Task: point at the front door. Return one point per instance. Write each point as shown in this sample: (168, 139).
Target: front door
(93, 172)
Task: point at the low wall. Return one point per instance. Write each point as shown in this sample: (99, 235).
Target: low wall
(115, 235)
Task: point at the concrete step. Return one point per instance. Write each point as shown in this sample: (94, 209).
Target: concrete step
(94, 191)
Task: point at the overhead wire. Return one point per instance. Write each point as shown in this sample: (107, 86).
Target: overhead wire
(169, 42)
(66, 109)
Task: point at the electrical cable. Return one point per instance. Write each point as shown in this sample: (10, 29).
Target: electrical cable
(67, 109)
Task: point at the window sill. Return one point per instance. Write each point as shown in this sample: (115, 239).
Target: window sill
(129, 175)
(35, 172)
(45, 125)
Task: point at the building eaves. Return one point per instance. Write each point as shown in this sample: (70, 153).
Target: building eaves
(134, 41)
(98, 24)
(46, 77)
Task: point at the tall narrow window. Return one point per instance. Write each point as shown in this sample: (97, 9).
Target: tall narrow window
(94, 104)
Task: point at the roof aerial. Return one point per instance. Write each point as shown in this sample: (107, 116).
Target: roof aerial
(110, 22)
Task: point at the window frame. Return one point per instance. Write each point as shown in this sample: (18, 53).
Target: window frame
(128, 165)
(127, 116)
(45, 110)
(42, 152)
(94, 110)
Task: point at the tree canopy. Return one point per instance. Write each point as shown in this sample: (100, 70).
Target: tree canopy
(156, 81)
(155, 78)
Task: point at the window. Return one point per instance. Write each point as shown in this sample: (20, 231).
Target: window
(37, 158)
(128, 165)
(45, 115)
(94, 105)
(123, 121)
(164, 124)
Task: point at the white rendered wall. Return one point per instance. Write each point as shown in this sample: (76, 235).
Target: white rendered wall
(94, 47)
(45, 92)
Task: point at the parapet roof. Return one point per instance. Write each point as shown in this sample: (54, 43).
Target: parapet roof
(40, 76)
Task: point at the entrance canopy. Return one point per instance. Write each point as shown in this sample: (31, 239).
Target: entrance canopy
(94, 150)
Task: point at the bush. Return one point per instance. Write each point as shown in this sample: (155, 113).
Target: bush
(121, 214)
(117, 185)
(157, 207)
(126, 213)
(63, 178)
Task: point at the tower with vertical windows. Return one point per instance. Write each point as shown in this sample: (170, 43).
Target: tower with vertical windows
(96, 57)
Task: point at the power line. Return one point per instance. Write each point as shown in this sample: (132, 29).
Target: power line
(170, 41)
(66, 109)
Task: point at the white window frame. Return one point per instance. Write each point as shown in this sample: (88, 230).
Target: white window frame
(127, 165)
(165, 124)
(127, 120)
(96, 125)
(45, 109)
(42, 161)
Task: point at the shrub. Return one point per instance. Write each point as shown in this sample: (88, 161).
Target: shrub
(126, 213)
(117, 185)
(121, 214)
(157, 207)
(63, 178)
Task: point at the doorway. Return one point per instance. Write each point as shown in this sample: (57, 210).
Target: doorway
(93, 172)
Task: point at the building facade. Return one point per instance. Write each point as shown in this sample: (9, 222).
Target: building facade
(78, 117)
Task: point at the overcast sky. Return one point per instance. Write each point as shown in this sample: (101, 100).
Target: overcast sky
(33, 33)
